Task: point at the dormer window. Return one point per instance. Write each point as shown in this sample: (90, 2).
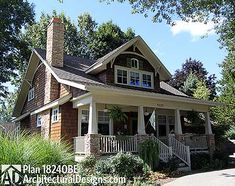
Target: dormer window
(134, 63)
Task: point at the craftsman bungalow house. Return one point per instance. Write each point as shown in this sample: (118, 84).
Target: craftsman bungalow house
(68, 97)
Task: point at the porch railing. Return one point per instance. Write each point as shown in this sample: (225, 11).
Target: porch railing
(115, 144)
(196, 142)
(165, 152)
(79, 145)
(180, 150)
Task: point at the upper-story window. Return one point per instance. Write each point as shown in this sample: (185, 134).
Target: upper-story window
(121, 76)
(134, 63)
(147, 80)
(31, 94)
(133, 77)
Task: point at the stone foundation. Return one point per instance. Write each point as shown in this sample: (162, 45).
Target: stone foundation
(180, 137)
(141, 138)
(92, 144)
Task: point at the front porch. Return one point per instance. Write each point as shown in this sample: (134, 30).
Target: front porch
(162, 120)
(114, 136)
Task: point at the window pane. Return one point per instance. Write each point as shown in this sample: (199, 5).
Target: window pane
(162, 130)
(103, 129)
(134, 78)
(171, 128)
(147, 80)
(161, 120)
(122, 76)
(84, 129)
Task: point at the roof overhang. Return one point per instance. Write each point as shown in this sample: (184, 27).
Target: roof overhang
(34, 60)
(143, 94)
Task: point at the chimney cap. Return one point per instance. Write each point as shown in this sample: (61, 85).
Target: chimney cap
(56, 20)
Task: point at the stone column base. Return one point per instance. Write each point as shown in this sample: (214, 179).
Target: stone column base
(92, 144)
(211, 143)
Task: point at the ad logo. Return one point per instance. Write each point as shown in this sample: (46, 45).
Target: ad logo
(10, 175)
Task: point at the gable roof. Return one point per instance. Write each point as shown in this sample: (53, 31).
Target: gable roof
(77, 72)
(100, 64)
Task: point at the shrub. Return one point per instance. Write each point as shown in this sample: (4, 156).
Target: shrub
(149, 152)
(87, 165)
(126, 165)
(33, 150)
(200, 161)
(103, 167)
(230, 133)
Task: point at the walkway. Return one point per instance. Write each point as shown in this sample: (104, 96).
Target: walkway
(224, 177)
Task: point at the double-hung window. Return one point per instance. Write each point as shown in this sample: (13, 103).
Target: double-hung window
(162, 124)
(38, 120)
(134, 78)
(103, 122)
(147, 81)
(31, 94)
(121, 76)
(84, 122)
(55, 115)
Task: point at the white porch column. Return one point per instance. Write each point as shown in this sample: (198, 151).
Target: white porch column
(79, 121)
(208, 129)
(92, 126)
(141, 124)
(178, 127)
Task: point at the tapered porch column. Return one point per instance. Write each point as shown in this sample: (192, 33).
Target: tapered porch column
(141, 123)
(93, 126)
(92, 138)
(178, 127)
(208, 123)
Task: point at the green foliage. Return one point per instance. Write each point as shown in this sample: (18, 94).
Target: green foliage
(116, 114)
(190, 84)
(201, 91)
(191, 72)
(6, 107)
(231, 132)
(108, 37)
(225, 115)
(15, 15)
(126, 165)
(149, 152)
(33, 150)
(200, 161)
(103, 167)
(87, 165)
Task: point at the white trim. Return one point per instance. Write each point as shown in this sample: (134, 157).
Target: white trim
(31, 94)
(70, 83)
(145, 94)
(129, 70)
(38, 121)
(134, 53)
(21, 117)
(80, 97)
(55, 103)
(54, 111)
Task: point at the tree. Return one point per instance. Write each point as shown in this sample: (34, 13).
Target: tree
(197, 71)
(190, 84)
(201, 91)
(108, 37)
(7, 106)
(14, 16)
(225, 114)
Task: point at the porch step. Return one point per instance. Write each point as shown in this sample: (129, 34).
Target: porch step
(184, 169)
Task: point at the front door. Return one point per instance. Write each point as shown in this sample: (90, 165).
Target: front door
(134, 125)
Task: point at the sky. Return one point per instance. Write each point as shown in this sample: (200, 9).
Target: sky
(172, 45)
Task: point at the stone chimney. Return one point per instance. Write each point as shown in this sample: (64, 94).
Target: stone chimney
(55, 43)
